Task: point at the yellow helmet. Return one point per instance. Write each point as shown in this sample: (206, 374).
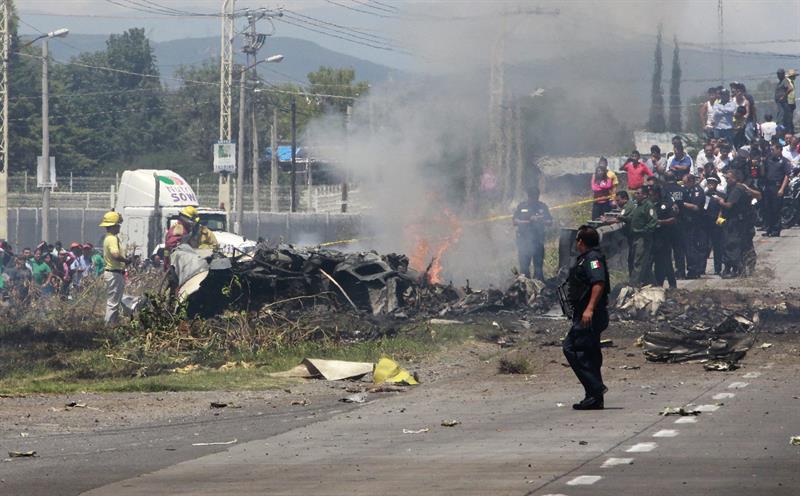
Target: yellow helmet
(189, 212)
(111, 219)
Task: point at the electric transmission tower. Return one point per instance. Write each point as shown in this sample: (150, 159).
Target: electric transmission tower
(225, 96)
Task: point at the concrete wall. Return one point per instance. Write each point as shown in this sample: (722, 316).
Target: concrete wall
(78, 224)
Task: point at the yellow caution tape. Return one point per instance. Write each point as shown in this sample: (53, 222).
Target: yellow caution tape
(494, 218)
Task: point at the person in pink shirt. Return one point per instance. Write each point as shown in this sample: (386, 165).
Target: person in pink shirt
(603, 192)
(637, 171)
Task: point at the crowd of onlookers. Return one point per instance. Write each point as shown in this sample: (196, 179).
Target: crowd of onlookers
(681, 208)
(53, 270)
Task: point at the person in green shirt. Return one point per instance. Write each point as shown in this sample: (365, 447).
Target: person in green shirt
(40, 270)
(641, 220)
(95, 259)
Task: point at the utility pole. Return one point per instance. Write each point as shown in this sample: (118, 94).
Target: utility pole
(293, 201)
(45, 142)
(345, 175)
(273, 163)
(237, 226)
(225, 94)
(254, 140)
(721, 25)
(5, 39)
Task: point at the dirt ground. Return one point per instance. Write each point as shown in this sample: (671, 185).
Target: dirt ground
(536, 340)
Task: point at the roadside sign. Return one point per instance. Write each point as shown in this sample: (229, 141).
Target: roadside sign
(224, 156)
(46, 176)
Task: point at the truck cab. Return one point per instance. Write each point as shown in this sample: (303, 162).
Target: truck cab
(150, 201)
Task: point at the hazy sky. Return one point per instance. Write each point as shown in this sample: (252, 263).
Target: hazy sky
(428, 28)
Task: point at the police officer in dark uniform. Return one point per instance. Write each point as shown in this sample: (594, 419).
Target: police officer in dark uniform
(776, 177)
(734, 212)
(667, 215)
(693, 204)
(530, 218)
(588, 286)
(679, 232)
(713, 231)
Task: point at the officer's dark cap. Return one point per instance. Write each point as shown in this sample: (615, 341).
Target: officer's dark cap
(712, 179)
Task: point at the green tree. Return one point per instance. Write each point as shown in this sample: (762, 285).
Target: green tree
(675, 109)
(336, 82)
(656, 122)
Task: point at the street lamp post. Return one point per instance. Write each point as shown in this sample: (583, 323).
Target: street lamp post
(240, 173)
(58, 33)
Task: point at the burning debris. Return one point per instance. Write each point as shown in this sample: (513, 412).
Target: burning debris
(372, 284)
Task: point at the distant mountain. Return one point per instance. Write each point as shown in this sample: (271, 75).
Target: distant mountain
(301, 57)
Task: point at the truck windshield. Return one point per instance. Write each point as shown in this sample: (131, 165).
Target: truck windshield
(215, 222)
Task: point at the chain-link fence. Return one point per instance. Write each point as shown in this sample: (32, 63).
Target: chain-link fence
(99, 191)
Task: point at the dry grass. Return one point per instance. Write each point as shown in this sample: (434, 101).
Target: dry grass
(514, 364)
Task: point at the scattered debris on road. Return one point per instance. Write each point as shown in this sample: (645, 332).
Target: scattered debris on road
(450, 423)
(794, 440)
(728, 341)
(765, 346)
(22, 454)
(355, 398)
(302, 402)
(418, 431)
(640, 304)
(218, 404)
(220, 443)
(387, 370)
(720, 365)
(681, 411)
(330, 370)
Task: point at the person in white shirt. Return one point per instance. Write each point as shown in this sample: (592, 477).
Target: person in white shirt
(790, 151)
(705, 156)
(769, 127)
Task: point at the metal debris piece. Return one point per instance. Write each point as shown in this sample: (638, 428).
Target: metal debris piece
(75, 404)
(21, 454)
(220, 443)
(728, 341)
(720, 366)
(681, 411)
(606, 343)
(630, 367)
(450, 423)
(418, 431)
(355, 398)
(794, 440)
(302, 402)
(765, 346)
(218, 404)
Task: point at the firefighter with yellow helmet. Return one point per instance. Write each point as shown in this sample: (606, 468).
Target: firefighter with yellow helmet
(187, 229)
(115, 260)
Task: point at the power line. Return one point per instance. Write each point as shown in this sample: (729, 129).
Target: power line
(333, 24)
(374, 6)
(355, 9)
(351, 40)
(320, 25)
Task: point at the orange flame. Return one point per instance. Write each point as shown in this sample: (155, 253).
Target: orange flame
(431, 242)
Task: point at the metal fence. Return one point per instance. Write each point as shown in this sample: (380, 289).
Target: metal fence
(80, 224)
(98, 192)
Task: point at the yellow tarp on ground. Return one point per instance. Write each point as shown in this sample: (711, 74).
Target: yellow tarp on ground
(387, 370)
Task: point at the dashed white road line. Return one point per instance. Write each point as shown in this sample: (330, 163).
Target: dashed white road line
(666, 433)
(642, 448)
(686, 420)
(707, 408)
(723, 396)
(584, 480)
(555, 494)
(737, 385)
(613, 462)
(751, 375)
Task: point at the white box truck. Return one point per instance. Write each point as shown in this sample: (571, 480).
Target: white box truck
(150, 200)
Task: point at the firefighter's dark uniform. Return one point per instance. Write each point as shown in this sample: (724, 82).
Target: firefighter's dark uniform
(662, 242)
(530, 237)
(694, 240)
(642, 222)
(582, 345)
